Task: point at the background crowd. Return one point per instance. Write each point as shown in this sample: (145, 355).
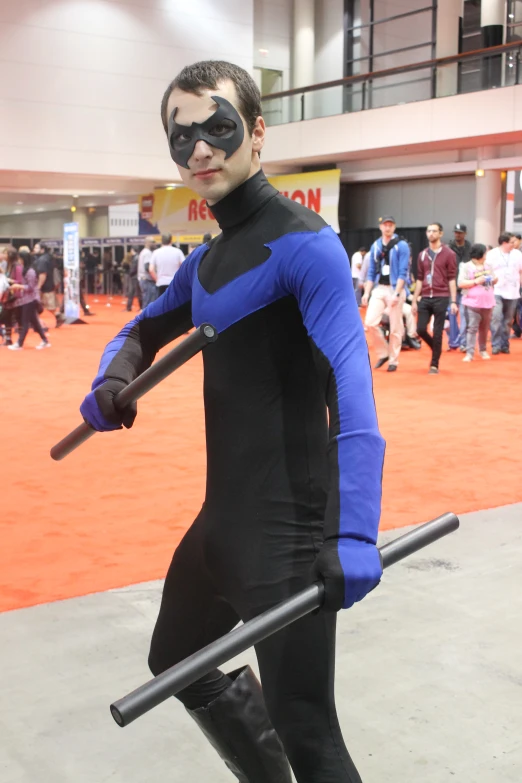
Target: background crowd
(469, 292)
(465, 290)
(31, 282)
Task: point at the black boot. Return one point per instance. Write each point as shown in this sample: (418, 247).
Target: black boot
(238, 727)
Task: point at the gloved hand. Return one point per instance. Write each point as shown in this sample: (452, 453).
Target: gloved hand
(349, 569)
(98, 408)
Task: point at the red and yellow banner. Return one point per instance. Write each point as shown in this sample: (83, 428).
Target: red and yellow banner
(182, 213)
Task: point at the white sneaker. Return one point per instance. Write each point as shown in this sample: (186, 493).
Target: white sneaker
(485, 355)
(468, 358)
(15, 347)
(43, 344)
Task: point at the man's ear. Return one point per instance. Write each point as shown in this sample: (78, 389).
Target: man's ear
(258, 135)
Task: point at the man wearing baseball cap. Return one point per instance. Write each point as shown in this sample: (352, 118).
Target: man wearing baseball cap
(462, 248)
(387, 274)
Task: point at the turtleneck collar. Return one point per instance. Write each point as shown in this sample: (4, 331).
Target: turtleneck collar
(242, 202)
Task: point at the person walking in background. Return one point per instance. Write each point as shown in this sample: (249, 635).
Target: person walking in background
(46, 282)
(476, 279)
(388, 272)
(436, 273)
(506, 262)
(516, 241)
(165, 262)
(28, 301)
(134, 287)
(5, 292)
(461, 247)
(11, 310)
(357, 263)
(145, 279)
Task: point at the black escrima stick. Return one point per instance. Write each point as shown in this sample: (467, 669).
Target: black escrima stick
(219, 652)
(190, 346)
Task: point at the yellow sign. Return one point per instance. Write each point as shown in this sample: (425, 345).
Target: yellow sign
(182, 211)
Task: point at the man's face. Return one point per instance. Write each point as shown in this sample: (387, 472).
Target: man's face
(515, 243)
(37, 250)
(433, 233)
(460, 237)
(208, 173)
(387, 229)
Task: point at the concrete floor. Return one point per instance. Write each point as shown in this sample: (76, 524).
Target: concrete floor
(429, 676)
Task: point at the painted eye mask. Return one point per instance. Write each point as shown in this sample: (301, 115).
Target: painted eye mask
(223, 129)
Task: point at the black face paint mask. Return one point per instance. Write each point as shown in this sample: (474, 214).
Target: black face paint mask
(226, 120)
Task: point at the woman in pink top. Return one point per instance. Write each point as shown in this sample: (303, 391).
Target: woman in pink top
(476, 279)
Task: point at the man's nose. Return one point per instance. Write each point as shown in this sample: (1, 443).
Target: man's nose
(202, 150)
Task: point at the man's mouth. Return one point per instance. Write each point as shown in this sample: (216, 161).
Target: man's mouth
(206, 173)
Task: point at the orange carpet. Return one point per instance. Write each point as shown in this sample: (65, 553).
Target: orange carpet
(112, 513)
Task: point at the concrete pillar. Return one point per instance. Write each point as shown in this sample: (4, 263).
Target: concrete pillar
(329, 55)
(493, 13)
(488, 198)
(492, 21)
(509, 222)
(81, 216)
(449, 20)
(303, 53)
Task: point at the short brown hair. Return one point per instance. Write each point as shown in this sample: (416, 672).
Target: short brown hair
(206, 75)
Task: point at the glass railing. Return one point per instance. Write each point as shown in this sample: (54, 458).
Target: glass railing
(483, 69)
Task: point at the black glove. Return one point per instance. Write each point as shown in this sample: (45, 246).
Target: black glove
(98, 408)
(349, 569)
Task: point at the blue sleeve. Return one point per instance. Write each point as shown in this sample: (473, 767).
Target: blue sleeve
(404, 260)
(371, 269)
(319, 278)
(133, 350)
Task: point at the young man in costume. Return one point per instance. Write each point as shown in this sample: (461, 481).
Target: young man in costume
(290, 498)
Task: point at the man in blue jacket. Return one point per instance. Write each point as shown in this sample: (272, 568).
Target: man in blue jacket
(387, 274)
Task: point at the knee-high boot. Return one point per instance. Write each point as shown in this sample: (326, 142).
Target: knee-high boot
(238, 727)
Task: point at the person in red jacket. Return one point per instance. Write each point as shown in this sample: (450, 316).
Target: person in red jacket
(436, 284)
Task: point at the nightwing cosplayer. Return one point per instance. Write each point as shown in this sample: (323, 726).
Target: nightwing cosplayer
(294, 454)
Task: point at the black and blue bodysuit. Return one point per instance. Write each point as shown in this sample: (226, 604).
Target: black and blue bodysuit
(294, 455)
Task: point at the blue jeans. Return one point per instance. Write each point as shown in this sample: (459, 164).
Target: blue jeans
(148, 292)
(463, 323)
(457, 334)
(501, 321)
(358, 291)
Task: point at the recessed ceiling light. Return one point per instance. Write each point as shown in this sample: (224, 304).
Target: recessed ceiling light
(75, 196)
(19, 202)
(41, 209)
(17, 212)
(111, 192)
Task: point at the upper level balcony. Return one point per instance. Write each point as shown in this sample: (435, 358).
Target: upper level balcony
(452, 103)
